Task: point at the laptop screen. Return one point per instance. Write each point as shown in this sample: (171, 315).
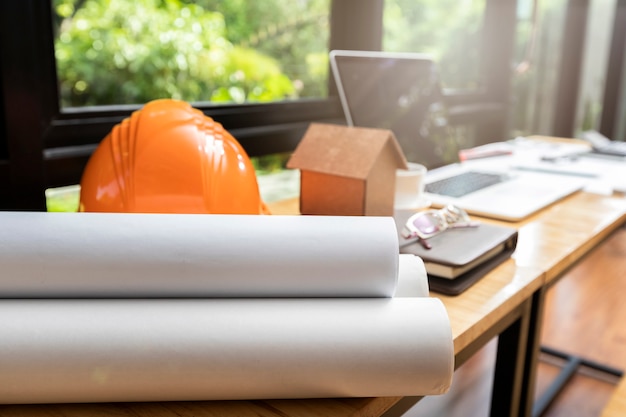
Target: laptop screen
(399, 92)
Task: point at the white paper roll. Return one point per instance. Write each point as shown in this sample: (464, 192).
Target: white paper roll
(189, 349)
(168, 255)
(412, 277)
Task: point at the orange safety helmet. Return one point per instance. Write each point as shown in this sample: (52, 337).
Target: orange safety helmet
(170, 158)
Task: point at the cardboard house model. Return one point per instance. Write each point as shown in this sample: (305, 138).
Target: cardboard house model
(347, 171)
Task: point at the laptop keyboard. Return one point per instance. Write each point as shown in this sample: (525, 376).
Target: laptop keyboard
(465, 183)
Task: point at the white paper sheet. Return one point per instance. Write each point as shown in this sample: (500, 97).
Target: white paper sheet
(191, 349)
(135, 255)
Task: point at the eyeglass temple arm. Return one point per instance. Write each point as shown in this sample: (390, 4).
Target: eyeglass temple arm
(425, 244)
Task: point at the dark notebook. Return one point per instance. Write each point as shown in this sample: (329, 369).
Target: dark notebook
(460, 257)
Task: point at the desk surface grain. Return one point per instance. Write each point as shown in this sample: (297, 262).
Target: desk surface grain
(549, 243)
(554, 239)
(617, 404)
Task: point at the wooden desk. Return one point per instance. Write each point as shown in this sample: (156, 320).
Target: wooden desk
(554, 240)
(506, 302)
(617, 404)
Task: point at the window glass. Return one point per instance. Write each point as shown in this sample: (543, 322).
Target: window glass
(539, 40)
(448, 30)
(227, 51)
(596, 58)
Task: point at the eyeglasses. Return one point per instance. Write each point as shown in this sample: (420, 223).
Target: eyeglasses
(429, 223)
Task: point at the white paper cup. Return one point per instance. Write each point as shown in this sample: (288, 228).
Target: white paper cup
(410, 187)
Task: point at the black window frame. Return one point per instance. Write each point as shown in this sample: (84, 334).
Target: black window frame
(43, 146)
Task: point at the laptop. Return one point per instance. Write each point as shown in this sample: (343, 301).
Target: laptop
(402, 92)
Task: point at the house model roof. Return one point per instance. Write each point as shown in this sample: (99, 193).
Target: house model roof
(344, 151)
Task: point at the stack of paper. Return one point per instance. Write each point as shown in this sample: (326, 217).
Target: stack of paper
(129, 307)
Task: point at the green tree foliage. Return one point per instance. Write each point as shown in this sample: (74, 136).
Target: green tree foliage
(449, 30)
(119, 51)
(294, 32)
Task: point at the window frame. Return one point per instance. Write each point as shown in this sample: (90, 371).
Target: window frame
(615, 79)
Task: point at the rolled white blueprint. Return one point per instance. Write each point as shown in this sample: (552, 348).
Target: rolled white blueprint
(106, 255)
(108, 350)
(412, 277)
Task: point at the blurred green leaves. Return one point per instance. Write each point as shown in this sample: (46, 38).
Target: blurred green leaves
(448, 30)
(131, 52)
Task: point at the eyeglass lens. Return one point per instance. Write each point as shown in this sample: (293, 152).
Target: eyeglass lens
(428, 224)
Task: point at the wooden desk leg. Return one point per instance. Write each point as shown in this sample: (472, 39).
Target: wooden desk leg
(532, 353)
(510, 367)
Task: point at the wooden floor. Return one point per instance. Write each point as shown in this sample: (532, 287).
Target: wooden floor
(585, 315)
